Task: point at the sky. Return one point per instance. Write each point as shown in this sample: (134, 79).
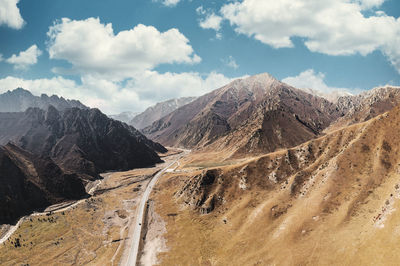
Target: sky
(125, 55)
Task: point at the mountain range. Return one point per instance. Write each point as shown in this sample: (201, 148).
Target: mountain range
(125, 117)
(50, 153)
(271, 166)
(84, 141)
(20, 99)
(255, 114)
(158, 111)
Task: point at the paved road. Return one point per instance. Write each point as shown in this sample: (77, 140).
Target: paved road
(133, 253)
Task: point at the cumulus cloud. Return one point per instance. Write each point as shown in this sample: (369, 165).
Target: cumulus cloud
(114, 97)
(210, 20)
(10, 15)
(25, 58)
(333, 27)
(93, 49)
(309, 79)
(152, 85)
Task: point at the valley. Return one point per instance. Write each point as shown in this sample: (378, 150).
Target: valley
(92, 231)
(200, 133)
(274, 176)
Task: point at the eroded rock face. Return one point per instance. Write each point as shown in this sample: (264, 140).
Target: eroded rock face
(79, 141)
(367, 105)
(29, 182)
(200, 191)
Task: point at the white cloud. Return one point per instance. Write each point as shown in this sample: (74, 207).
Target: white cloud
(114, 97)
(25, 58)
(154, 86)
(231, 62)
(170, 3)
(333, 27)
(211, 21)
(10, 15)
(1, 57)
(93, 49)
(367, 4)
(308, 79)
(56, 85)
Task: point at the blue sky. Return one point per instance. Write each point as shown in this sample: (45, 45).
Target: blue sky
(198, 46)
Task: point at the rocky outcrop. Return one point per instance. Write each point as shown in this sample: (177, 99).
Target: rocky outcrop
(29, 182)
(200, 192)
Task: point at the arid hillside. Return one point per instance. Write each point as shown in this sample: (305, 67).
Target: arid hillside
(331, 200)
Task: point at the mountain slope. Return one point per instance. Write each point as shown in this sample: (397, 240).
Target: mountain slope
(79, 140)
(366, 105)
(158, 111)
(19, 100)
(29, 182)
(256, 114)
(331, 200)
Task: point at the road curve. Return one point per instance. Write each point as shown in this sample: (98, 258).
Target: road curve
(134, 249)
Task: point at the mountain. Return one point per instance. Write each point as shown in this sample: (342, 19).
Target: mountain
(332, 96)
(158, 111)
(29, 182)
(19, 100)
(253, 115)
(366, 105)
(125, 117)
(332, 200)
(83, 141)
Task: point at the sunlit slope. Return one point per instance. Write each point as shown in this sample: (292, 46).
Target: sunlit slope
(331, 200)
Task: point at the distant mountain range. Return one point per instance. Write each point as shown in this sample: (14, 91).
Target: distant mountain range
(158, 111)
(19, 100)
(125, 117)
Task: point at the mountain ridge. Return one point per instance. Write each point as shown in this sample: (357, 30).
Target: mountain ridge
(84, 141)
(19, 100)
(222, 112)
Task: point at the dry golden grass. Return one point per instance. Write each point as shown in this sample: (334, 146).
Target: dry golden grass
(328, 215)
(87, 234)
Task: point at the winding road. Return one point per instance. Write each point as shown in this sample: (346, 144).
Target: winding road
(134, 247)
